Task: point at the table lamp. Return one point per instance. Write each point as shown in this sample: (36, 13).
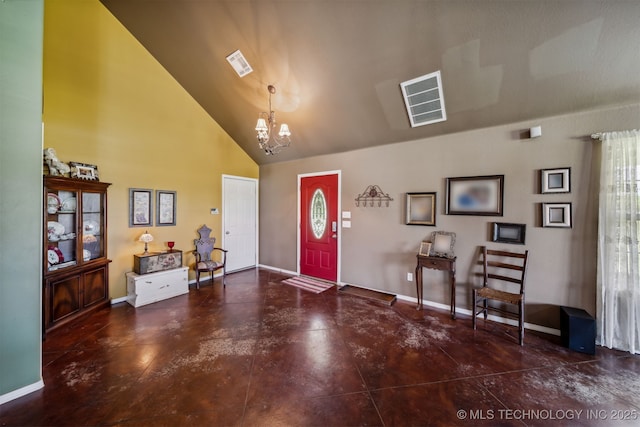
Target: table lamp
(146, 238)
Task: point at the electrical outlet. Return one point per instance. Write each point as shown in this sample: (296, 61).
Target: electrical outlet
(409, 277)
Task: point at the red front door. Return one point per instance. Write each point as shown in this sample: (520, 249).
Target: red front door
(319, 226)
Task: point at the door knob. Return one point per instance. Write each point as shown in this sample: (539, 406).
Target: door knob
(227, 232)
(335, 236)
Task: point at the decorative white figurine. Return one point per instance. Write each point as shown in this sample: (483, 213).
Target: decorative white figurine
(56, 167)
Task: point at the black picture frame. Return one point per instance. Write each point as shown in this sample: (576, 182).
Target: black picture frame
(166, 203)
(140, 207)
(475, 195)
(505, 232)
(421, 209)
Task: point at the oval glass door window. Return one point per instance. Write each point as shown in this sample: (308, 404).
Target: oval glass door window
(318, 213)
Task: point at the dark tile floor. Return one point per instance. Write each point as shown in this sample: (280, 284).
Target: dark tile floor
(261, 353)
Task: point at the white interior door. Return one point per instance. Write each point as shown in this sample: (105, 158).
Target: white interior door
(240, 221)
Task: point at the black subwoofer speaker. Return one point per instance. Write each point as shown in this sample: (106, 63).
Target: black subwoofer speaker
(578, 330)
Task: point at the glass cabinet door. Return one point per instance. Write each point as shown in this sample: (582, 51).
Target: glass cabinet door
(61, 238)
(93, 238)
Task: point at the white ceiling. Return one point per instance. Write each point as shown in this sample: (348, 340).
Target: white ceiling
(338, 64)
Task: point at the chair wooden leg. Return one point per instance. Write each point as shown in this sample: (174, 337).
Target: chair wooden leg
(198, 279)
(473, 309)
(521, 323)
(224, 277)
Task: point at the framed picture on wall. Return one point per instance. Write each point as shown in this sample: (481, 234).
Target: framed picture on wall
(556, 215)
(475, 195)
(140, 207)
(421, 209)
(508, 233)
(555, 180)
(166, 207)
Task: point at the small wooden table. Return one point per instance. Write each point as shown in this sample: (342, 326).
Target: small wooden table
(436, 263)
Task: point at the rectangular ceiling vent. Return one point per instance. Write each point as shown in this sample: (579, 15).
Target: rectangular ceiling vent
(239, 63)
(423, 99)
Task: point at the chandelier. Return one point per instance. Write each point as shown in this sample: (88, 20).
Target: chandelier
(270, 141)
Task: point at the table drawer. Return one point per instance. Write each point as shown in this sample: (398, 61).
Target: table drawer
(438, 264)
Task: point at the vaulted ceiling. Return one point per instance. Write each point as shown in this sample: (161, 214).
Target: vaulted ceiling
(337, 65)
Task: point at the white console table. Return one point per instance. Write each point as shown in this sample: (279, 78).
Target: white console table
(148, 288)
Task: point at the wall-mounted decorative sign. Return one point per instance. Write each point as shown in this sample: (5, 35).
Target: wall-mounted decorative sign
(373, 195)
(140, 207)
(555, 180)
(508, 233)
(421, 209)
(166, 207)
(556, 215)
(476, 195)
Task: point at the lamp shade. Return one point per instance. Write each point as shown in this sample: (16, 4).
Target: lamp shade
(146, 237)
(284, 130)
(261, 125)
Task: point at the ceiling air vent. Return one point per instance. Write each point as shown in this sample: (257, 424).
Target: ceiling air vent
(424, 100)
(239, 63)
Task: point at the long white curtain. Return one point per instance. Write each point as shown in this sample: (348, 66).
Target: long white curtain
(618, 305)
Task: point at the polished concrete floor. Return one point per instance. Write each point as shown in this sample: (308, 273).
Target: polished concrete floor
(261, 353)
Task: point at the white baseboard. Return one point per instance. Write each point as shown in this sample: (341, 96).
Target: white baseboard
(21, 392)
(506, 321)
(118, 300)
(279, 270)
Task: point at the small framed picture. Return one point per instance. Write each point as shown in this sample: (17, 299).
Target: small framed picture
(508, 233)
(555, 180)
(84, 171)
(475, 195)
(442, 243)
(165, 207)
(556, 215)
(421, 209)
(140, 207)
(425, 248)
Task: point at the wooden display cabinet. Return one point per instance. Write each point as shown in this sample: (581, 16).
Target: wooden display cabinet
(75, 264)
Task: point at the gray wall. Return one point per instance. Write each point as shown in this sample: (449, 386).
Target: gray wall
(379, 249)
(21, 25)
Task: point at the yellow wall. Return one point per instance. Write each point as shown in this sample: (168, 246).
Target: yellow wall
(108, 102)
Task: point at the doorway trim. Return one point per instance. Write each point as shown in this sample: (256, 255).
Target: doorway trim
(339, 244)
